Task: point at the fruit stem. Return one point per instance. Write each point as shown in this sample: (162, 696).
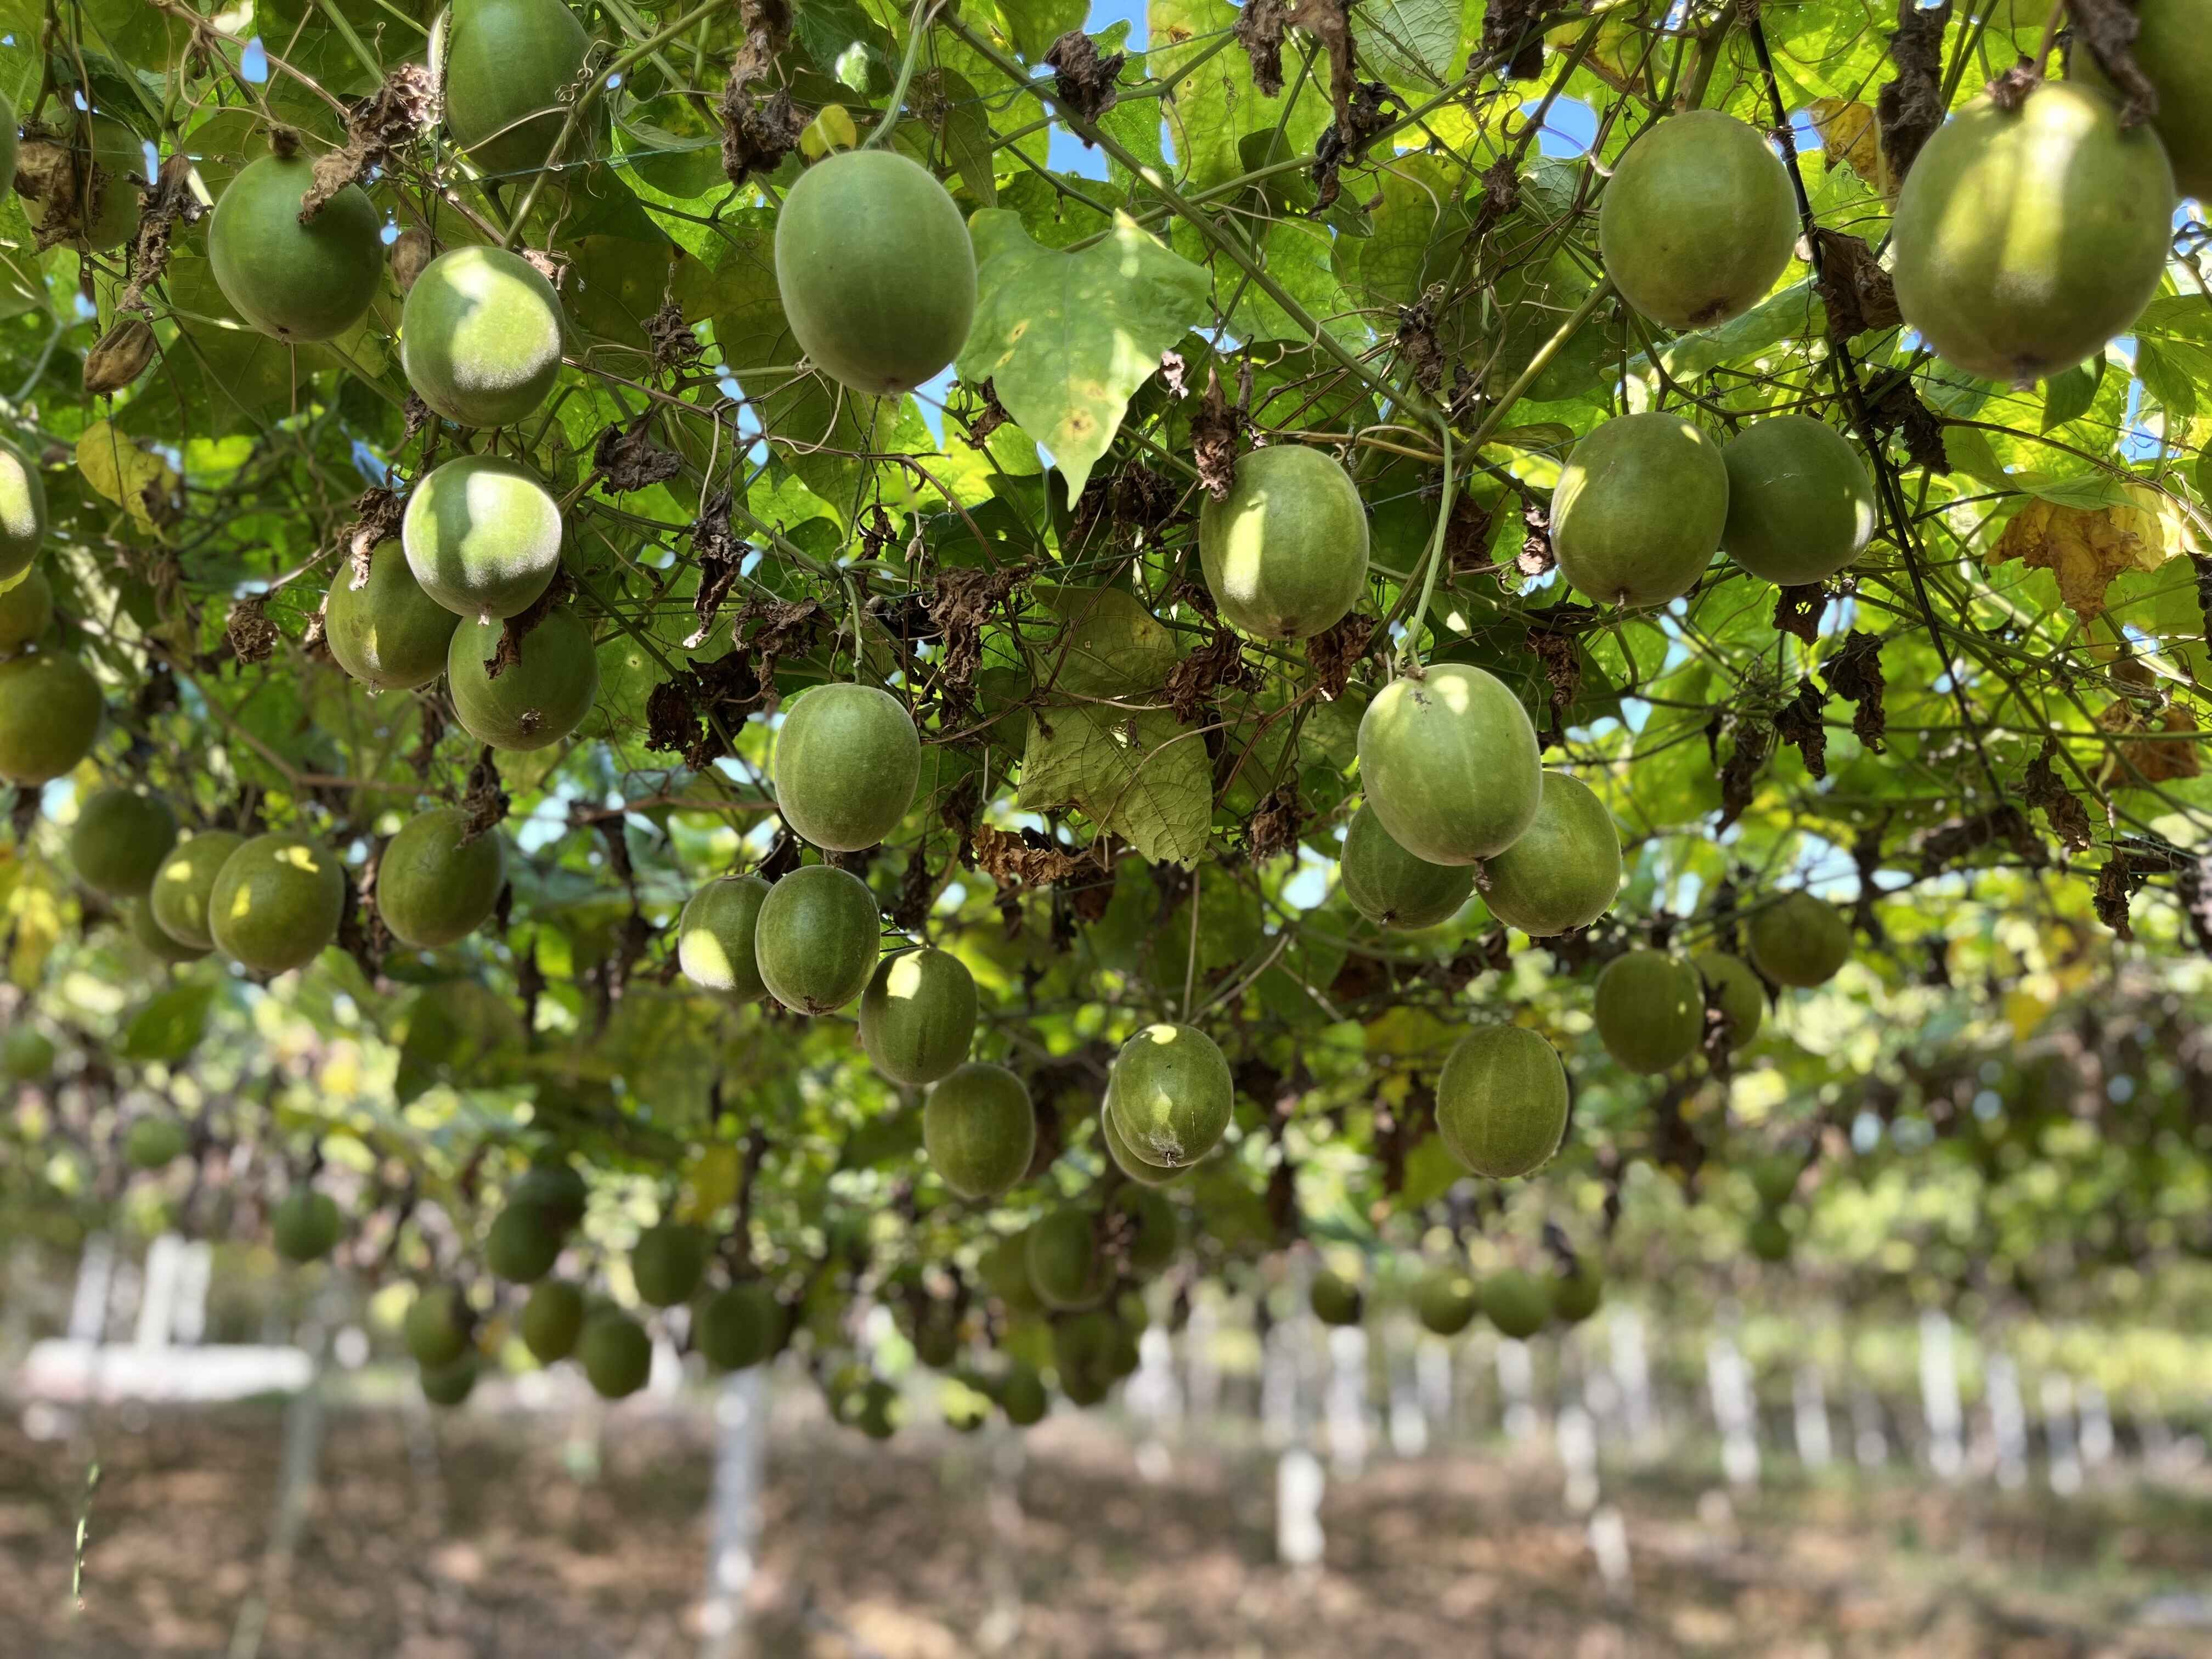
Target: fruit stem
(917, 31)
(1409, 654)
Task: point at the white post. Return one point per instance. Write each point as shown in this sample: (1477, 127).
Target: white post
(96, 1273)
(1728, 1380)
(1609, 1536)
(195, 1271)
(157, 1306)
(1869, 1442)
(1001, 1628)
(1155, 1400)
(1632, 1374)
(1433, 1374)
(733, 1512)
(1299, 1484)
(1517, 1382)
(1577, 1443)
(2008, 1422)
(1939, 1394)
(2058, 1433)
(1808, 1396)
(1409, 1422)
(1202, 1378)
(296, 1473)
(1348, 1402)
(2096, 1427)
(1278, 1386)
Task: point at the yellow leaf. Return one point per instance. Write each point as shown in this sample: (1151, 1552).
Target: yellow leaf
(2024, 1010)
(2149, 760)
(832, 128)
(142, 483)
(2085, 548)
(1849, 134)
(710, 1181)
(35, 909)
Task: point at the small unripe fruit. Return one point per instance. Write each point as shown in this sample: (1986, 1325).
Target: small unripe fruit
(1502, 1102)
(276, 902)
(617, 1355)
(1801, 506)
(1650, 1010)
(439, 879)
(668, 1263)
(185, 882)
(535, 702)
(847, 761)
(522, 1245)
(306, 1225)
(22, 510)
(50, 710)
(1450, 764)
(120, 840)
(27, 607)
(918, 1015)
(1699, 222)
(1390, 886)
(388, 634)
(449, 1385)
(1563, 872)
(741, 1327)
(1065, 1268)
(1517, 1303)
(552, 1319)
(1736, 989)
(715, 937)
(1444, 1301)
(1798, 941)
(1335, 1301)
(1285, 553)
(438, 1327)
(482, 537)
(979, 1130)
(297, 283)
(1639, 510)
(1170, 1094)
(153, 1142)
(818, 938)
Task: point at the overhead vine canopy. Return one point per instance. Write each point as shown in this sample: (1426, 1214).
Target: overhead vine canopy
(699, 418)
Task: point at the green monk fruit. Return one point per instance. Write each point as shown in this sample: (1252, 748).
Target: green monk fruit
(2173, 52)
(2027, 238)
(556, 1188)
(510, 74)
(979, 1129)
(1767, 1237)
(1170, 1095)
(439, 1326)
(1005, 1270)
(937, 1335)
(1446, 1300)
(1801, 507)
(297, 283)
(22, 513)
(1564, 872)
(27, 606)
(715, 937)
(537, 700)
(1391, 887)
(667, 1262)
(1065, 1267)
(918, 1015)
(817, 939)
(1146, 1224)
(154, 1142)
(120, 839)
(615, 1354)
(522, 1245)
(449, 1385)
(1335, 1300)
(138, 917)
(1798, 941)
(847, 761)
(1774, 1178)
(1023, 1398)
(27, 1055)
(1502, 1102)
(1450, 764)
(740, 1326)
(876, 271)
(1698, 221)
(1639, 510)
(1125, 1159)
(306, 1225)
(50, 710)
(112, 156)
(1519, 1304)
(178, 900)
(439, 879)
(480, 337)
(276, 902)
(388, 634)
(482, 537)
(1736, 990)
(551, 1321)
(1285, 552)
(1650, 1010)
(1577, 1294)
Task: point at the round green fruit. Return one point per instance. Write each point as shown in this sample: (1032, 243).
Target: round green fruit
(1125, 1159)
(27, 1055)
(937, 1336)
(1335, 1300)
(1023, 1398)
(480, 337)
(1392, 888)
(1517, 1303)
(918, 1015)
(449, 1385)
(538, 699)
(1445, 1301)
(551, 1321)
(1774, 1178)
(1699, 221)
(2173, 50)
(1577, 1295)
(27, 606)
(1767, 1238)
(715, 937)
(847, 761)
(509, 67)
(1564, 872)
(306, 1225)
(438, 879)
(177, 901)
(120, 840)
(1170, 1095)
(388, 634)
(876, 271)
(154, 1142)
(438, 1327)
(276, 902)
(1154, 1232)
(1062, 1250)
(741, 1326)
(1736, 989)
(482, 537)
(979, 1130)
(1005, 1270)
(1450, 765)
(1502, 1102)
(817, 939)
(667, 1262)
(522, 1245)
(2025, 239)
(617, 1355)
(138, 916)
(297, 283)
(22, 516)
(556, 1189)
(117, 166)
(1285, 552)
(1801, 507)
(1639, 510)
(1082, 1353)
(1798, 941)
(1650, 1010)
(50, 710)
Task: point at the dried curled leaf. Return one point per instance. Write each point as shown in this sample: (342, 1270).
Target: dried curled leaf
(378, 127)
(2151, 748)
(2044, 791)
(1911, 107)
(2087, 548)
(1084, 80)
(1850, 134)
(119, 357)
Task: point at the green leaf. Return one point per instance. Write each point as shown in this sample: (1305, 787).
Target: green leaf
(171, 1024)
(1035, 24)
(2067, 397)
(1113, 646)
(1142, 775)
(1067, 339)
(1413, 45)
